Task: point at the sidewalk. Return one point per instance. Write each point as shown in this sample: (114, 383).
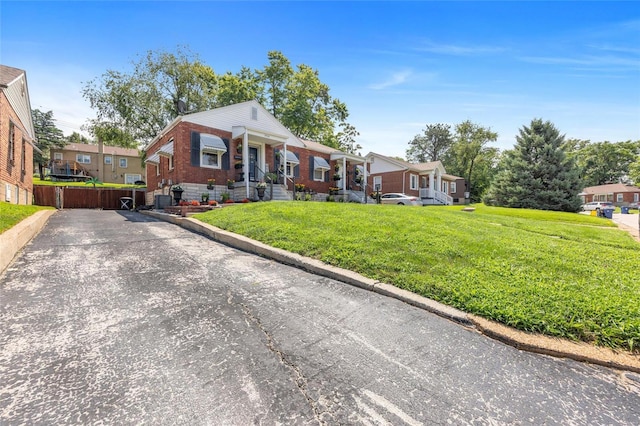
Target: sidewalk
(628, 222)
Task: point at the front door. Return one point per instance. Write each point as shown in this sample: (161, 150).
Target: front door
(253, 163)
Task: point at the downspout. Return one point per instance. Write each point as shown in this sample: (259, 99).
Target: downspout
(364, 187)
(245, 162)
(284, 163)
(404, 175)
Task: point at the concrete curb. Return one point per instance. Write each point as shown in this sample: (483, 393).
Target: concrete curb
(524, 341)
(12, 240)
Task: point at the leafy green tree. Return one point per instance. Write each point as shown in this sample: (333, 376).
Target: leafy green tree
(471, 158)
(537, 173)
(76, 137)
(93, 181)
(144, 101)
(605, 162)
(240, 87)
(634, 172)
(47, 136)
(432, 145)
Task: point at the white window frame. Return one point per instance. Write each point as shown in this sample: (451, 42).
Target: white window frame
(170, 162)
(619, 197)
(158, 169)
(122, 163)
(413, 182)
(445, 187)
(108, 159)
(209, 152)
(377, 180)
(636, 197)
(80, 158)
(454, 187)
(321, 177)
(131, 178)
(57, 156)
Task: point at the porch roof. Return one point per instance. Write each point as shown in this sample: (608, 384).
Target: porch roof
(350, 157)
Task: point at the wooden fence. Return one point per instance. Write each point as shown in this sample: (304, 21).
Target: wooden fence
(71, 197)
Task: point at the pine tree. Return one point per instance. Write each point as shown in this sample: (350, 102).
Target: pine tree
(537, 174)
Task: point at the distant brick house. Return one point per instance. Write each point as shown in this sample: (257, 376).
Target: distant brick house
(617, 193)
(428, 181)
(232, 148)
(109, 164)
(17, 137)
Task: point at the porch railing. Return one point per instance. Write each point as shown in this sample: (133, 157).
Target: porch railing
(439, 197)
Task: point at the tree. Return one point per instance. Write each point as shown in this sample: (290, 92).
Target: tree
(471, 158)
(634, 172)
(537, 173)
(605, 162)
(76, 137)
(432, 145)
(143, 102)
(47, 136)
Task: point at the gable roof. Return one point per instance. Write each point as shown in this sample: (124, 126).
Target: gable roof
(13, 83)
(318, 147)
(249, 114)
(405, 165)
(610, 189)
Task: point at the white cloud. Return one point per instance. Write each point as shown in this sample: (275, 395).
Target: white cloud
(394, 80)
(458, 50)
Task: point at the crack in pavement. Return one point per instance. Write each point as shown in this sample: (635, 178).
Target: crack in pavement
(299, 378)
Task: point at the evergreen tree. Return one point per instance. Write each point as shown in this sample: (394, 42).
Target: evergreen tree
(47, 136)
(537, 174)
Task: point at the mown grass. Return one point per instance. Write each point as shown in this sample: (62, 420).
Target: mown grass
(37, 181)
(11, 214)
(561, 274)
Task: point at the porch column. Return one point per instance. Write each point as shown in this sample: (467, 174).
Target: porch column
(431, 183)
(439, 181)
(344, 173)
(245, 161)
(364, 185)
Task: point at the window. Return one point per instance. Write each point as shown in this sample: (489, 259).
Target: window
(636, 197)
(83, 158)
(12, 136)
(319, 174)
(23, 159)
(445, 187)
(620, 198)
(377, 183)
(171, 162)
(210, 159)
(107, 159)
(158, 169)
(212, 148)
(453, 187)
(413, 182)
(123, 163)
(57, 156)
(130, 178)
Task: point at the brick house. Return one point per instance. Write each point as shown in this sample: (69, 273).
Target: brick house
(428, 181)
(232, 148)
(109, 164)
(617, 193)
(17, 137)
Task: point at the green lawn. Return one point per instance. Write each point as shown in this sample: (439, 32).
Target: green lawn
(11, 214)
(37, 181)
(561, 274)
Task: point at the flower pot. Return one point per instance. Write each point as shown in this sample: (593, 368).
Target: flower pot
(260, 192)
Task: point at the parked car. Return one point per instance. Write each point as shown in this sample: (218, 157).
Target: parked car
(399, 198)
(597, 205)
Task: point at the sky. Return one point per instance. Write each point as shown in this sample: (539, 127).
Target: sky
(398, 66)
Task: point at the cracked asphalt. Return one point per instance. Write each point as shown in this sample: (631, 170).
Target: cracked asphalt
(116, 318)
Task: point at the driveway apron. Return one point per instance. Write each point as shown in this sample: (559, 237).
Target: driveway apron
(115, 318)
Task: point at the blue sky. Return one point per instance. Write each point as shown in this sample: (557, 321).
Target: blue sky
(397, 65)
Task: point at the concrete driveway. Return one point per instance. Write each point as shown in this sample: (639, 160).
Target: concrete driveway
(628, 222)
(116, 318)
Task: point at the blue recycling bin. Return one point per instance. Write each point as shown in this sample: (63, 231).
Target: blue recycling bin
(608, 213)
(624, 210)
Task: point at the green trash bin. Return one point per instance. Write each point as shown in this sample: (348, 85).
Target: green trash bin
(624, 210)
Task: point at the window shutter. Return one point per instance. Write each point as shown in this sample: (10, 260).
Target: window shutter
(226, 156)
(276, 160)
(311, 171)
(296, 171)
(195, 149)
(326, 174)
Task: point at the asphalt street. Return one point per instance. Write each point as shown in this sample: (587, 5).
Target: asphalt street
(115, 318)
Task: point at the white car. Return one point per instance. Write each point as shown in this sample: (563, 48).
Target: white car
(597, 205)
(399, 198)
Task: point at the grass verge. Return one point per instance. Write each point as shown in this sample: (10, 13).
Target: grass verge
(561, 274)
(11, 214)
